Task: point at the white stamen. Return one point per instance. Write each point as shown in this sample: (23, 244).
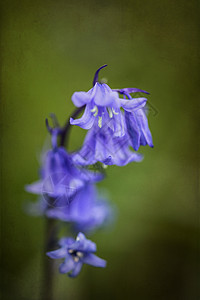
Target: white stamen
(95, 110)
(79, 254)
(70, 251)
(100, 122)
(114, 112)
(110, 112)
(76, 258)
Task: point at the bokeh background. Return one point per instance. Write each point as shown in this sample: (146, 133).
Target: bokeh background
(49, 49)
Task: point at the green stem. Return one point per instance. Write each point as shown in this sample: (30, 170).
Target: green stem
(50, 235)
(50, 225)
(66, 128)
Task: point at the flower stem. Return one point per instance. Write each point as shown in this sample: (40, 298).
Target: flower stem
(66, 128)
(50, 234)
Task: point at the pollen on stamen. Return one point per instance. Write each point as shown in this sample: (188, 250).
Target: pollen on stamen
(110, 112)
(76, 258)
(100, 122)
(94, 110)
(114, 112)
(79, 254)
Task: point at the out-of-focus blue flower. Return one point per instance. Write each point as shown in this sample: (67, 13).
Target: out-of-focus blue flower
(37, 208)
(76, 253)
(86, 212)
(60, 178)
(102, 145)
(136, 123)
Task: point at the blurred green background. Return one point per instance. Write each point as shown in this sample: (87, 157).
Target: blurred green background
(51, 49)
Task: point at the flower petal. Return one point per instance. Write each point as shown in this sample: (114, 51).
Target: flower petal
(67, 266)
(133, 130)
(35, 187)
(84, 160)
(81, 98)
(86, 121)
(130, 90)
(95, 261)
(125, 157)
(103, 147)
(119, 124)
(103, 95)
(121, 155)
(60, 253)
(143, 123)
(57, 213)
(76, 269)
(133, 104)
(82, 244)
(66, 241)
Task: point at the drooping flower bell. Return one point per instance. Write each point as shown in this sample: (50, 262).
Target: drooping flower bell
(60, 178)
(76, 253)
(87, 212)
(114, 125)
(136, 123)
(103, 106)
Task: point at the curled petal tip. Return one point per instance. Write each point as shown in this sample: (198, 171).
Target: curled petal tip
(48, 126)
(97, 74)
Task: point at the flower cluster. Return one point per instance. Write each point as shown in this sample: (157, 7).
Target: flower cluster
(116, 122)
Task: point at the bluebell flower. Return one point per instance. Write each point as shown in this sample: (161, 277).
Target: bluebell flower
(87, 212)
(76, 253)
(136, 122)
(103, 106)
(115, 124)
(60, 178)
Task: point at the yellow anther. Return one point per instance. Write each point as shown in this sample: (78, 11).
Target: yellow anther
(110, 112)
(114, 112)
(94, 110)
(76, 258)
(79, 254)
(100, 122)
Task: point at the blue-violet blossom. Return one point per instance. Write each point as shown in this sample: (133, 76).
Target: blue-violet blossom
(103, 107)
(114, 125)
(87, 212)
(60, 178)
(136, 123)
(76, 253)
